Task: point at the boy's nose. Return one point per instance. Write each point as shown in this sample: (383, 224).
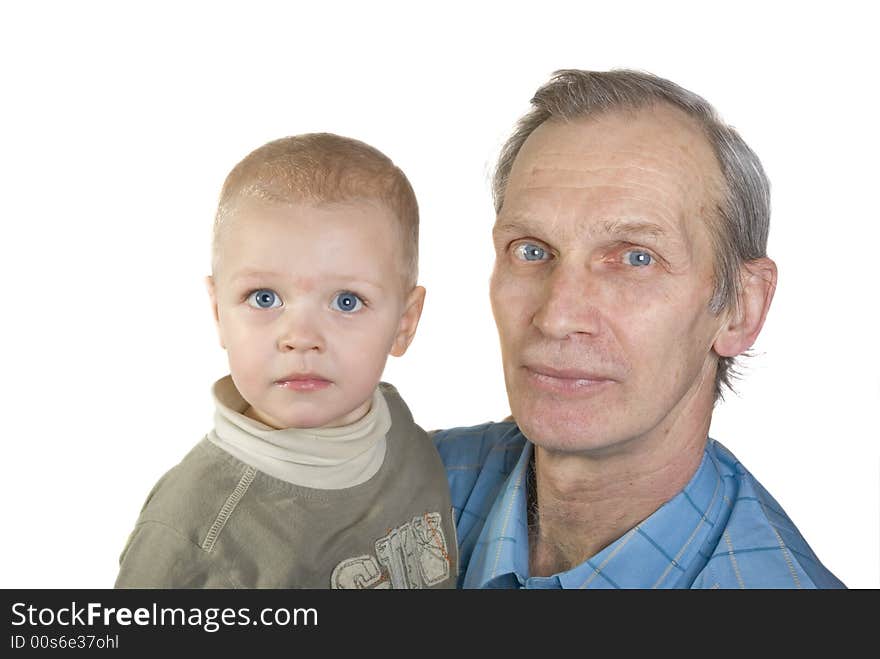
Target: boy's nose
(301, 335)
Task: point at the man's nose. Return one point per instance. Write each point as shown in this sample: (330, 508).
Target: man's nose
(569, 303)
(302, 333)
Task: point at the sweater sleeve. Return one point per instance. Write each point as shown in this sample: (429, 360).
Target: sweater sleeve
(158, 556)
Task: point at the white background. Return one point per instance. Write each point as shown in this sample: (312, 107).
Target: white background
(120, 121)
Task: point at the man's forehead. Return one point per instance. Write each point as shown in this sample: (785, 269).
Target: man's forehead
(657, 120)
(656, 157)
(660, 136)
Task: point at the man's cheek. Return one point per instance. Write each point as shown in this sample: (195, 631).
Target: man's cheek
(514, 299)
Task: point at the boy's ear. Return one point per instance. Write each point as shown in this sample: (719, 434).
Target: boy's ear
(744, 322)
(409, 321)
(212, 294)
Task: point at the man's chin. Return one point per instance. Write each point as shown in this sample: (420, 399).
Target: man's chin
(564, 430)
(552, 435)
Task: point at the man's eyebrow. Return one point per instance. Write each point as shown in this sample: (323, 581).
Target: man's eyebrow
(631, 228)
(516, 226)
(623, 228)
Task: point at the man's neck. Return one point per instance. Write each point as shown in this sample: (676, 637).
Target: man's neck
(581, 503)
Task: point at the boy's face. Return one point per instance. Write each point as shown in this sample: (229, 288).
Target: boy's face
(309, 302)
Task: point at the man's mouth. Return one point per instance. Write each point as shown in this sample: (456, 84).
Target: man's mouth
(564, 380)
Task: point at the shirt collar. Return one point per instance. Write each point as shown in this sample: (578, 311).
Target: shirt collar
(663, 551)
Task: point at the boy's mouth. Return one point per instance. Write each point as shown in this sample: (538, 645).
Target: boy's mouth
(303, 382)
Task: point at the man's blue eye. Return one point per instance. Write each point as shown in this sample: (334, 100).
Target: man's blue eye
(264, 298)
(347, 301)
(530, 252)
(638, 257)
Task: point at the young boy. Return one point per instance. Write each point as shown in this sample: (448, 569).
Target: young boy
(315, 475)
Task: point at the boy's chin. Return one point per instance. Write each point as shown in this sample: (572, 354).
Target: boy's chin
(301, 419)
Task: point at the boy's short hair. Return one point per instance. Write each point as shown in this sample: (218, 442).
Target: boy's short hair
(323, 168)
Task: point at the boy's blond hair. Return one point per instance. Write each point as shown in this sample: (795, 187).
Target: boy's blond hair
(323, 168)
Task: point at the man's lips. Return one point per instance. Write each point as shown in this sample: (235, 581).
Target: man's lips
(565, 379)
(303, 382)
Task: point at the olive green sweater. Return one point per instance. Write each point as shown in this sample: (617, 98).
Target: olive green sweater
(214, 521)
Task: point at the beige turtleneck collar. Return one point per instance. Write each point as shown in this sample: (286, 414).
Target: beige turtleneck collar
(320, 458)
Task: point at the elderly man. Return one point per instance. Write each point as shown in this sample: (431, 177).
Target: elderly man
(630, 271)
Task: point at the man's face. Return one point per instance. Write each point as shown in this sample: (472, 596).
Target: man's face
(603, 277)
(309, 302)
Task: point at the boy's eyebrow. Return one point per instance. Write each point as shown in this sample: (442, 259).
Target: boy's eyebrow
(266, 274)
(243, 274)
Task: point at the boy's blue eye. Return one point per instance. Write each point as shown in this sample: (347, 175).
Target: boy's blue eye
(530, 252)
(347, 301)
(639, 257)
(264, 298)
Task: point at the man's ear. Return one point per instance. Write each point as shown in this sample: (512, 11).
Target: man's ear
(212, 294)
(744, 322)
(409, 321)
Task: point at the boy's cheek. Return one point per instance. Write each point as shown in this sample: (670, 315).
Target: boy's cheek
(221, 336)
(235, 338)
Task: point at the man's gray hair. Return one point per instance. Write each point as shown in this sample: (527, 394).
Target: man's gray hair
(743, 213)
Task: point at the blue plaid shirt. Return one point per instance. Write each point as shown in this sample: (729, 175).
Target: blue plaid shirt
(723, 530)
